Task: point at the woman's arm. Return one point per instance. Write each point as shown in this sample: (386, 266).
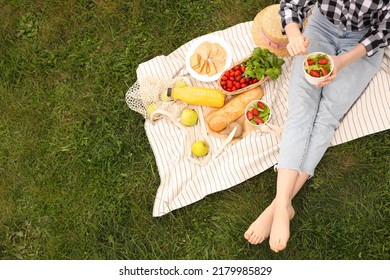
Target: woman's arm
(293, 14)
(297, 43)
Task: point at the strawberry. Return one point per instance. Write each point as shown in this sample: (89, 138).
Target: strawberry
(259, 120)
(310, 62)
(255, 112)
(261, 105)
(323, 61)
(249, 115)
(314, 73)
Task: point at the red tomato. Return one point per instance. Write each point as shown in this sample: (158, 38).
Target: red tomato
(324, 71)
(229, 84)
(237, 73)
(223, 83)
(224, 77)
(243, 68)
(237, 67)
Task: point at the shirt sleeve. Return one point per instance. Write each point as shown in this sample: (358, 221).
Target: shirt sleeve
(294, 11)
(379, 35)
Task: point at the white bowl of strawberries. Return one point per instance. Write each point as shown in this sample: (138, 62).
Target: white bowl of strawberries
(317, 66)
(257, 113)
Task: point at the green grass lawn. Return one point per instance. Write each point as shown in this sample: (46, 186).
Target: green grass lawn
(78, 177)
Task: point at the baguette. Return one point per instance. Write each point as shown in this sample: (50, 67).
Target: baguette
(233, 109)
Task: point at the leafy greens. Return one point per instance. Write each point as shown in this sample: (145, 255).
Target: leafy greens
(263, 63)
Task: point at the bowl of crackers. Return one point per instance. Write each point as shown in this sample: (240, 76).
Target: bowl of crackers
(208, 57)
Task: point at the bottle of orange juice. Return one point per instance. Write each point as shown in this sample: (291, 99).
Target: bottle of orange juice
(198, 95)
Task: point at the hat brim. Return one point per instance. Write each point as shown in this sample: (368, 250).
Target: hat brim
(281, 52)
(259, 41)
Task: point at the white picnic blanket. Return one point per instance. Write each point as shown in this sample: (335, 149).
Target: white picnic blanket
(183, 182)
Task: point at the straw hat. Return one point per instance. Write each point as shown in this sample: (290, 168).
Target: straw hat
(266, 31)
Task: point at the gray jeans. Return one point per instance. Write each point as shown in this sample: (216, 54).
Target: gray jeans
(315, 113)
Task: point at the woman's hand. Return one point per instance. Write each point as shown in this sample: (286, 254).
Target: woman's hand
(343, 60)
(297, 45)
(337, 66)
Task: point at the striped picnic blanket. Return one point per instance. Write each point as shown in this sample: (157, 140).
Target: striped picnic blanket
(183, 182)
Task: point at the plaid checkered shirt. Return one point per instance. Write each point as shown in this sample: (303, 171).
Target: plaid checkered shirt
(349, 15)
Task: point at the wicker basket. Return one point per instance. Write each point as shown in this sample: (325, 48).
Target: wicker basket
(241, 90)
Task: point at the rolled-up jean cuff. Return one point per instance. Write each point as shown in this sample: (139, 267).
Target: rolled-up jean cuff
(310, 173)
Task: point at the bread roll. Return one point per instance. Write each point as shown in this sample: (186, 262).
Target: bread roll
(233, 109)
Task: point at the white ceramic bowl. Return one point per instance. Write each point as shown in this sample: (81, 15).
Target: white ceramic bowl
(314, 80)
(249, 107)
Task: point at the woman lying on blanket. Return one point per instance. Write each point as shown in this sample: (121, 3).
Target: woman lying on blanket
(354, 33)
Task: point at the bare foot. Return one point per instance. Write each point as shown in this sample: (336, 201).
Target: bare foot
(280, 230)
(260, 229)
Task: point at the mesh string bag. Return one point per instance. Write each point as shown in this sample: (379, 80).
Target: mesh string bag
(148, 96)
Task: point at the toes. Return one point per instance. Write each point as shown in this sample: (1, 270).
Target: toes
(253, 238)
(281, 246)
(248, 234)
(277, 245)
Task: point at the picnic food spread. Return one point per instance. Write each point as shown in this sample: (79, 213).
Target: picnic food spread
(183, 182)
